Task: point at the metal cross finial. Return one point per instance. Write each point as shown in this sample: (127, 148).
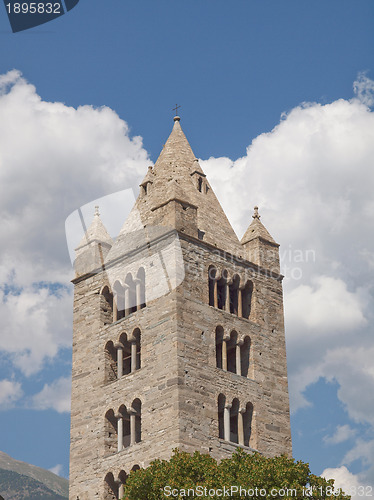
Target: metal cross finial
(176, 109)
(97, 210)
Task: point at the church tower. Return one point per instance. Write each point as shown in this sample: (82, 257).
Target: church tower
(178, 333)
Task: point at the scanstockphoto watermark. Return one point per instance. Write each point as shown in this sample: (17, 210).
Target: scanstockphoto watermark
(231, 491)
(225, 491)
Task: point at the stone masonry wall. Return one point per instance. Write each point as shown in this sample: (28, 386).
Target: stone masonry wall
(178, 382)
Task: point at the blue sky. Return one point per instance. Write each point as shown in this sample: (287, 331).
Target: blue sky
(241, 72)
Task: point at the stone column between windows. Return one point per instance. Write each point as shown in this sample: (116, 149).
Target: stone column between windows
(115, 310)
(127, 300)
(132, 414)
(226, 422)
(224, 352)
(133, 354)
(240, 303)
(238, 357)
(121, 490)
(241, 426)
(216, 293)
(119, 417)
(227, 301)
(119, 348)
(138, 294)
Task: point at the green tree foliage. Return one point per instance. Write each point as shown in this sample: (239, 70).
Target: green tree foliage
(200, 476)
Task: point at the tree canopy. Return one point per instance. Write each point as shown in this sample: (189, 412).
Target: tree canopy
(250, 476)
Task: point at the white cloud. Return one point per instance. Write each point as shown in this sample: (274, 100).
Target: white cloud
(364, 89)
(345, 480)
(312, 177)
(53, 159)
(325, 307)
(54, 396)
(352, 367)
(368, 256)
(10, 392)
(57, 469)
(363, 452)
(36, 323)
(342, 433)
(8, 79)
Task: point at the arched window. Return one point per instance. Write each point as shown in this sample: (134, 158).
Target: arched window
(245, 350)
(135, 467)
(124, 433)
(111, 487)
(219, 341)
(114, 487)
(137, 408)
(200, 184)
(221, 409)
(119, 301)
(106, 305)
(222, 290)
(137, 364)
(130, 357)
(110, 432)
(124, 428)
(234, 295)
(140, 289)
(249, 436)
(231, 352)
(130, 295)
(110, 362)
(212, 274)
(235, 424)
(247, 299)
(232, 355)
(127, 298)
(227, 295)
(129, 425)
(126, 354)
(234, 411)
(121, 481)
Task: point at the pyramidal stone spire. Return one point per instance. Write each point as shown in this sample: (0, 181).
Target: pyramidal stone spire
(259, 245)
(257, 230)
(96, 232)
(177, 180)
(93, 247)
(176, 153)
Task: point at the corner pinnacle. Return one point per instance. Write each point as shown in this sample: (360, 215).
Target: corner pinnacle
(256, 215)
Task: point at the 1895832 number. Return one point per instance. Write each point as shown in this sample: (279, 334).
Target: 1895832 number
(34, 8)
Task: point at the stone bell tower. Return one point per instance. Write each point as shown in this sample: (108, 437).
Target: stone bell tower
(178, 333)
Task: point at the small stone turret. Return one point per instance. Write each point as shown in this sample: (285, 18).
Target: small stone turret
(260, 247)
(147, 182)
(93, 247)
